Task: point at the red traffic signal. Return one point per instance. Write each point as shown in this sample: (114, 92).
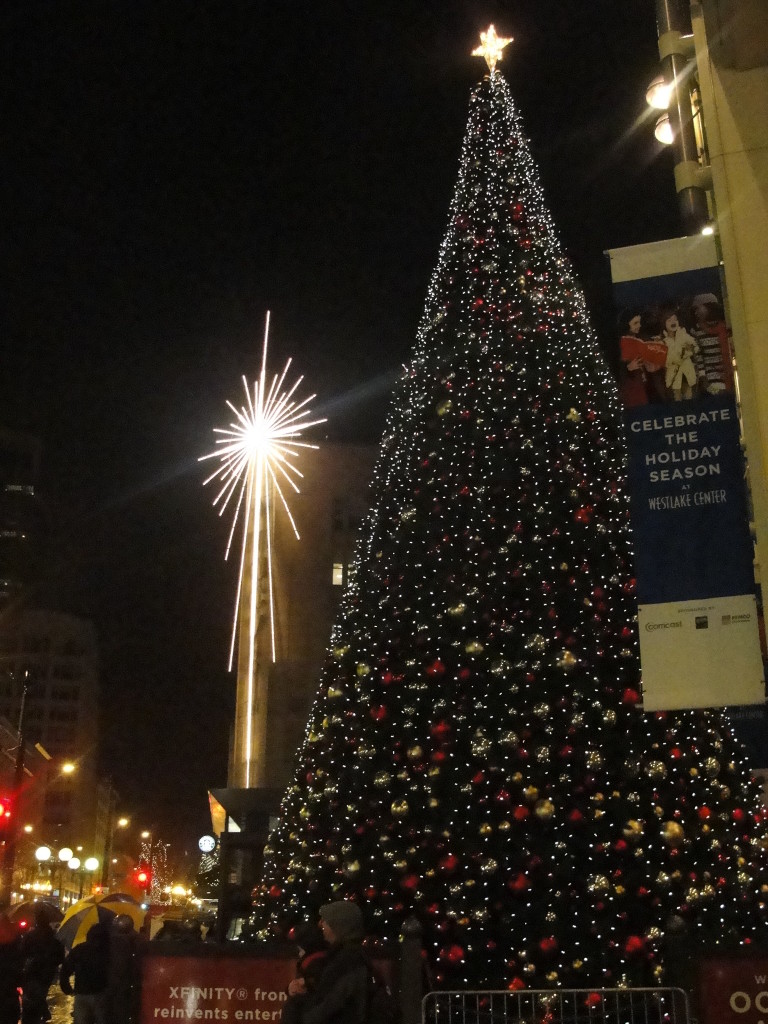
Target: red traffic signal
(142, 876)
(5, 807)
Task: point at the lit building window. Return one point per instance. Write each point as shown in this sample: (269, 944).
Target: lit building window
(338, 574)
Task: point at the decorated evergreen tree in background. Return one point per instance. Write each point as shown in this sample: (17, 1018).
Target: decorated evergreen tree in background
(476, 754)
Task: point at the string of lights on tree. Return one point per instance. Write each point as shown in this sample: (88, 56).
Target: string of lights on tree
(477, 754)
(154, 855)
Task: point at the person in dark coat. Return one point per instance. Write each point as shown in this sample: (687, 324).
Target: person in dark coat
(123, 986)
(313, 953)
(341, 990)
(11, 965)
(89, 962)
(42, 953)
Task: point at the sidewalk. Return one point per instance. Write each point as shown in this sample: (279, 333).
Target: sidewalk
(60, 1006)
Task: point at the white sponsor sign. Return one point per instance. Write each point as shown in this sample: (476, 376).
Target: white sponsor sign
(713, 642)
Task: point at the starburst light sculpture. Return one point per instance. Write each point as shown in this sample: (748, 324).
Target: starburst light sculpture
(257, 454)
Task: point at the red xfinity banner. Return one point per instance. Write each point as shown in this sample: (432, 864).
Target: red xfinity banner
(734, 990)
(214, 988)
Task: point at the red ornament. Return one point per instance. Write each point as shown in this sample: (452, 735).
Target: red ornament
(634, 944)
(675, 752)
(593, 999)
(448, 863)
(575, 815)
(548, 945)
(704, 813)
(738, 814)
(518, 884)
(378, 712)
(275, 891)
(440, 730)
(516, 984)
(453, 954)
(502, 797)
(437, 668)
(409, 883)
(584, 514)
(520, 813)
(630, 696)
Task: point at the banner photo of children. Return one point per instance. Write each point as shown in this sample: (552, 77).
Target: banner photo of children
(673, 346)
(697, 612)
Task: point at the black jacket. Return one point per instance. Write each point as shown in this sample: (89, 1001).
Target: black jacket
(340, 993)
(89, 962)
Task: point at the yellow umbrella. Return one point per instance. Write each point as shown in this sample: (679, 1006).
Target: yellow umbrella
(97, 909)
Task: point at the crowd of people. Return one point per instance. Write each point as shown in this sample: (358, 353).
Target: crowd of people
(335, 981)
(102, 973)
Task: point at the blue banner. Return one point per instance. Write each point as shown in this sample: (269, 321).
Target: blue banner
(686, 476)
(697, 611)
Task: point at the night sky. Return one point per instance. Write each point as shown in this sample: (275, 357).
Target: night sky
(170, 171)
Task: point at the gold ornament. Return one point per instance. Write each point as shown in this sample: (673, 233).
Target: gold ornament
(673, 833)
(362, 669)
(632, 830)
(509, 739)
(415, 752)
(381, 780)
(573, 415)
(351, 868)
(656, 769)
(531, 794)
(444, 407)
(457, 609)
(474, 647)
(567, 661)
(486, 829)
(399, 808)
(544, 809)
(340, 650)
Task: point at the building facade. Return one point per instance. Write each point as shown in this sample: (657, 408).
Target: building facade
(49, 690)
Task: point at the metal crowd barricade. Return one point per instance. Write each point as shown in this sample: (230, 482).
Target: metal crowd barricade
(558, 1006)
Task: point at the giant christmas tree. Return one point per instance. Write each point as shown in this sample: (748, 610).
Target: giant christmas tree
(477, 754)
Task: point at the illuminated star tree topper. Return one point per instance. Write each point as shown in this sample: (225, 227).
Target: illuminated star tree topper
(257, 453)
(491, 47)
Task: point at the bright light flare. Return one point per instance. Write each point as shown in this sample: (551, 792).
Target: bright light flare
(257, 454)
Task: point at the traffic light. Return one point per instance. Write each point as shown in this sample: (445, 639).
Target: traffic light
(142, 877)
(5, 817)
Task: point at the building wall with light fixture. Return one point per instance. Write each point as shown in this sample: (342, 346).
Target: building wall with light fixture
(310, 577)
(731, 41)
(57, 656)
